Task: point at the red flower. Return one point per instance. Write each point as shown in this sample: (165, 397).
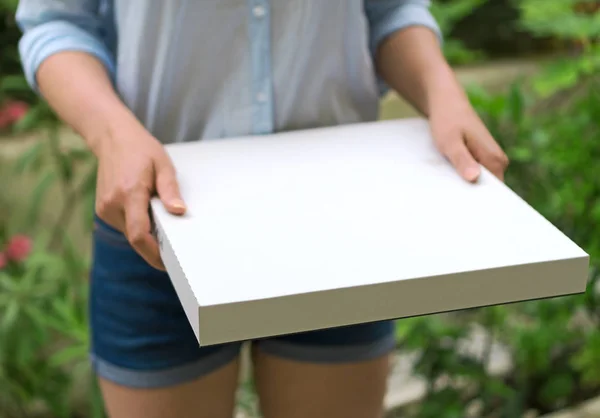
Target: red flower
(17, 110)
(3, 261)
(18, 248)
(12, 112)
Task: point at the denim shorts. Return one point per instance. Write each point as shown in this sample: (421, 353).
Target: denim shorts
(140, 335)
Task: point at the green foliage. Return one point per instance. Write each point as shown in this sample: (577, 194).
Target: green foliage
(447, 14)
(9, 59)
(554, 344)
(58, 166)
(552, 135)
(43, 301)
(565, 19)
(572, 22)
(13, 84)
(43, 313)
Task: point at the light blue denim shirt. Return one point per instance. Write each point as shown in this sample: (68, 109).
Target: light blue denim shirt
(192, 69)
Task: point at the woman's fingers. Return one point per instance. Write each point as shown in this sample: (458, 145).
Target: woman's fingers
(138, 228)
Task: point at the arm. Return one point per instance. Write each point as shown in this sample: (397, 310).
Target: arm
(412, 63)
(78, 88)
(66, 57)
(407, 55)
(66, 60)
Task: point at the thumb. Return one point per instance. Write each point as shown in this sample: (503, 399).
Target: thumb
(167, 187)
(463, 161)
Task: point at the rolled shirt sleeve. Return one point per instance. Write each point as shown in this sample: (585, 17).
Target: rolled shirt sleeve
(388, 16)
(52, 26)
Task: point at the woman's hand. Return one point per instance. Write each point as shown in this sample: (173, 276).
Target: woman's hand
(463, 139)
(133, 167)
(412, 63)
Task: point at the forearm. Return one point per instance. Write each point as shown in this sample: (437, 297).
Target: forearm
(411, 62)
(78, 87)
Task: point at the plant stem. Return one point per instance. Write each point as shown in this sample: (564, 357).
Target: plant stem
(63, 219)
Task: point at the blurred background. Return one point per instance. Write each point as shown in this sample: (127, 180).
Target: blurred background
(531, 68)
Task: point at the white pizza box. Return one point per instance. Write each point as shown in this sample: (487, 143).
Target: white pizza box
(329, 227)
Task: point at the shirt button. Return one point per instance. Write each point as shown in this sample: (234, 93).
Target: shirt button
(261, 97)
(258, 11)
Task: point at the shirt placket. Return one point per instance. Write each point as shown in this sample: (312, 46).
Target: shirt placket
(260, 49)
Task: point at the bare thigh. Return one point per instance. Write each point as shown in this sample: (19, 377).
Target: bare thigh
(292, 389)
(212, 396)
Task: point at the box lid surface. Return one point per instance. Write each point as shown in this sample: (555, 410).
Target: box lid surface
(322, 210)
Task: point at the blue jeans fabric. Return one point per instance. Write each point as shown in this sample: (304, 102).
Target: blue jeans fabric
(142, 338)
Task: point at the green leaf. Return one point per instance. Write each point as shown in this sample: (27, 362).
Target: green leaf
(498, 388)
(37, 196)
(97, 403)
(516, 104)
(65, 167)
(557, 18)
(64, 311)
(521, 154)
(30, 159)
(88, 185)
(590, 63)
(540, 138)
(556, 77)
(33, 118)
(8, 283)
(80, 154)
(9, 6)
(9, 316)
(38, 320)
(557, 388)
(69, 355)
(404, 327)
(448, 14)
(595, 212)
(587, 361)
(88, 193)
(42, 260)
(14, 83)
(89, 206)
(73, 260)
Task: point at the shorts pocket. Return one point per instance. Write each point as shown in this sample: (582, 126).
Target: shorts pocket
(107, 234)
(114, 257)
